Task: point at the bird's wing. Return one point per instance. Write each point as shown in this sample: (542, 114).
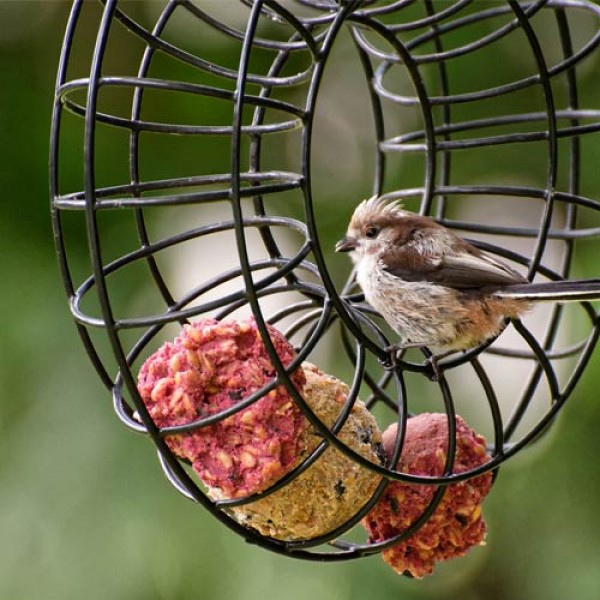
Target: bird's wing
(464, 267)
(467, 270)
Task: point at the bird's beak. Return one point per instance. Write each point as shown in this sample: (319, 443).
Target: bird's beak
(346, 244)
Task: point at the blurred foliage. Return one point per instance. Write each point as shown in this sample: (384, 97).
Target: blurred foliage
(85, 511)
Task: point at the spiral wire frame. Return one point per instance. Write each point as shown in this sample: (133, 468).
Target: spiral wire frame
(277, 96)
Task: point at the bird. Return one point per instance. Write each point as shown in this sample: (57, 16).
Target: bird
(435, 289)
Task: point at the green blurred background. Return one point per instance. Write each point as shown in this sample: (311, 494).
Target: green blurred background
(85, 511)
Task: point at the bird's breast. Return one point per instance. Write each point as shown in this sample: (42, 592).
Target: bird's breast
(420, 312)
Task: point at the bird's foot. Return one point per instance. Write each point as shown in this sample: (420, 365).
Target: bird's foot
(390, 361)
(433, 370)
(393, 352)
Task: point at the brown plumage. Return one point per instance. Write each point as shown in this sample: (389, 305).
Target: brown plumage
(434, 288)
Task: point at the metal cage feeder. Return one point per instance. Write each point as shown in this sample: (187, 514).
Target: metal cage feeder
(264, 205)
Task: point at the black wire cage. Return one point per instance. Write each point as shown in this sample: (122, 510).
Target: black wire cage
(435, 123)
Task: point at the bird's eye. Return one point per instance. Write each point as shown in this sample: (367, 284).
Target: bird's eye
(371, 231)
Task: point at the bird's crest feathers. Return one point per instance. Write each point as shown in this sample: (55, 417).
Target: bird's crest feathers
(377, 208)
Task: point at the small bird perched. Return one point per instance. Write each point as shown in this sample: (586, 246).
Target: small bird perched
(435, 289)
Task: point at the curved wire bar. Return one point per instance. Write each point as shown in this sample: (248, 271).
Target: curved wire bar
(283, 99)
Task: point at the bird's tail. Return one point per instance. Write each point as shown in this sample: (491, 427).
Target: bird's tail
(553, 291)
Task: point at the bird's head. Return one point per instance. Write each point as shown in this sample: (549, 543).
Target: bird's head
(375, 225)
